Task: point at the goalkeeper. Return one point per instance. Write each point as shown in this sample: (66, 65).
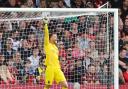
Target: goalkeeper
(53, 71)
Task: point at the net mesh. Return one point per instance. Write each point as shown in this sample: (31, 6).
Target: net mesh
(85, 42)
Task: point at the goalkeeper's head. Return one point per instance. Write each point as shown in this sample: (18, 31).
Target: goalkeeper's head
(53, 37)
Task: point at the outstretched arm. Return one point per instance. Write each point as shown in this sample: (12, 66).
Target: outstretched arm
(46, 32)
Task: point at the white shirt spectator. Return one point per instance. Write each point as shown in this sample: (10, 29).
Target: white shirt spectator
(16, 45)
(34, 62)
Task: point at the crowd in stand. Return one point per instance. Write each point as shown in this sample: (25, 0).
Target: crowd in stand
(122, 5)
(82, 50)
(52, 3)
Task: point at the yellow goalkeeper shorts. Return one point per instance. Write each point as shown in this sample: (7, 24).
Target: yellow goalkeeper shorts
(54, 74)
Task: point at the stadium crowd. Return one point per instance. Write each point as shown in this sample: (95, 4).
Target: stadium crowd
(82, 50)
(122, 5)
(52, 3)
(24, 43)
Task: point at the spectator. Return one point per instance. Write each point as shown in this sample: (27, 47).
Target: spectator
(90, 34)
(38, 34)
(61, 4)
(81, 24)
(62, 52)
(87, 59)
(125, 46)
(8, 50)
(98, 66)
(100, 42)
(60, 30)
(53, 5)
(5, 75)
(123, 61)
(22, 26)
(34, 59)
(37, 3)
(120, 12)
(121, 25)
(89, 4)
(83, 41)
(103, 28)
(5, 28)
(69, 54)
(74, 28)
(94, 53)
(67, 39)
(15, 40)
(96, 25)
(125, 37)
(99, 3)
(64, 65)
(120, 41)
(24, 30)
(126, 23)
(18, 67)
(27, 3)
(11, 3)
(25, 50)
(121, 77)
(124, 8)
(43, 4)
(70, 71)
(78, 4)
(76, 52)
(103, 59)
(79, 71)
(104, 76)
(30, 4)
(32, 41)
(40, 72)
(91, 75)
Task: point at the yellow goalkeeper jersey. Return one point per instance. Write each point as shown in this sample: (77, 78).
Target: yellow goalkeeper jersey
(51, 50)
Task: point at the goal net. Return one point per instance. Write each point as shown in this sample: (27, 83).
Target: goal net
(85, 43)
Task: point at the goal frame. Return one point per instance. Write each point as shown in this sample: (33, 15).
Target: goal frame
(115, 11)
